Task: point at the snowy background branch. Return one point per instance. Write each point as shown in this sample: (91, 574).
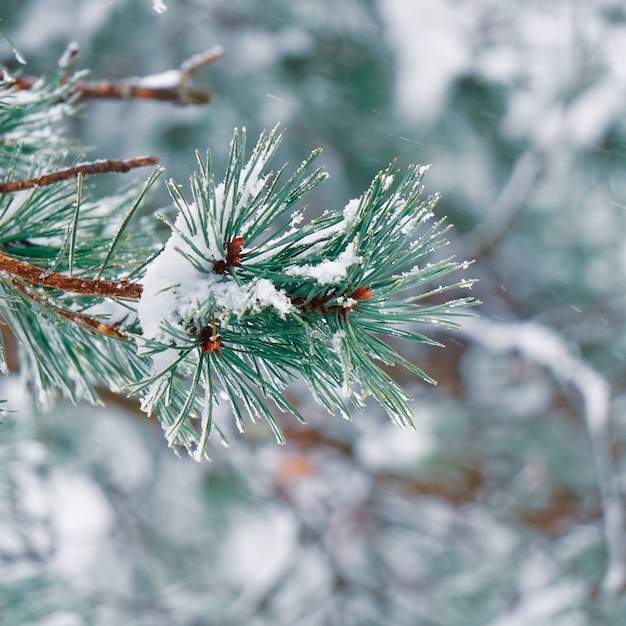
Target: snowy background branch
(543, 346)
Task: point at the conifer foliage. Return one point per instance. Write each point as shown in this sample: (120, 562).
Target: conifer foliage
(244, 297)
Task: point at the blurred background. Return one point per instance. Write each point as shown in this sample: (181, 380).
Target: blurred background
(503, 508)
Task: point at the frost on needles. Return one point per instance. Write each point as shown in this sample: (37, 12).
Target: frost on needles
(244, 297)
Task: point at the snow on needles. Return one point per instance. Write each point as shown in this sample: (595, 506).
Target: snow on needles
(178, 289)
(328, 272)
(181, 288)
(183, 292)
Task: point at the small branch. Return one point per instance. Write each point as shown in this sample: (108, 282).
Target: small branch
(110, 330)
(40, 277)
(198, 61)
(173, 86)
(94, 167)
(129, 90)
(68, 60)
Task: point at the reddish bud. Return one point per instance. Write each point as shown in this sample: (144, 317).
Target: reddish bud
(361, 293)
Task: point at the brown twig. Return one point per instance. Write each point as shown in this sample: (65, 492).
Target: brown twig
(129, 90)
(210, 341)
(319, 304)
(20, 82)
(94, 167)
(78, 318)
(40, 277)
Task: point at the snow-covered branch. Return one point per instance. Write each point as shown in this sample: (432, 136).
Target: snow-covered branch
(547, 348)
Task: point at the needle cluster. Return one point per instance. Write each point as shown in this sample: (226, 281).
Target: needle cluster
(245, 297)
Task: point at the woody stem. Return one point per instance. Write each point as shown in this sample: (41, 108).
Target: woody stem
(38, 276)
(95, 167)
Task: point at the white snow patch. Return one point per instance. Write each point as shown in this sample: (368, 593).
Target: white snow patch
(163, 80)
(337, 341)
(62, 618)
(170, 289)
(328, 272)
(159, 6)
(267, 295)
(258, 550)
(387, 182)
(542, 606)
(70, 52)
(82, 518)
(351, 209)
(391, 448)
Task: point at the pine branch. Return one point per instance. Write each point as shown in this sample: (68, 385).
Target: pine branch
(242, 299)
